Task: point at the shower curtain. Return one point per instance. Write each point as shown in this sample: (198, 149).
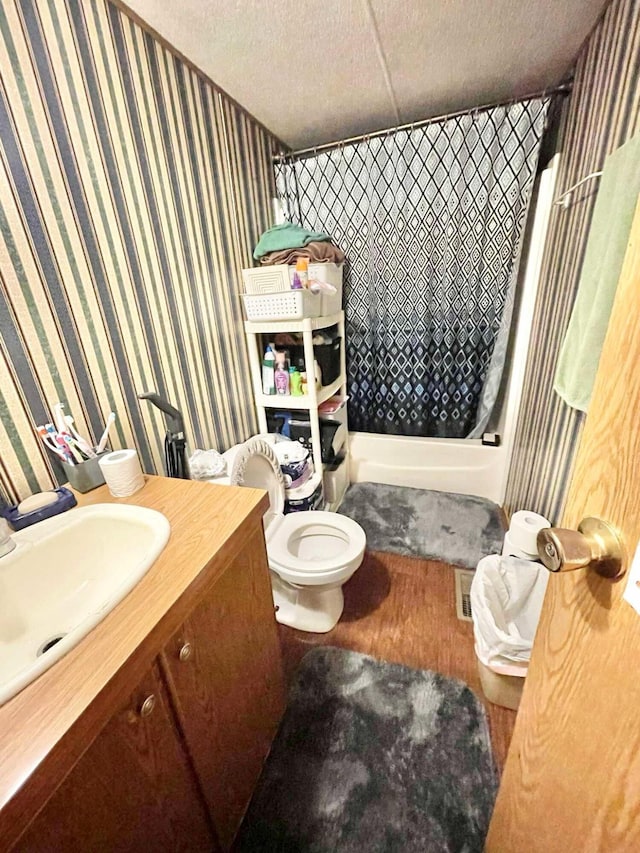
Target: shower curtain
(431, 220)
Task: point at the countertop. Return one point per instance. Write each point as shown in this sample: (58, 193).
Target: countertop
(204, 522)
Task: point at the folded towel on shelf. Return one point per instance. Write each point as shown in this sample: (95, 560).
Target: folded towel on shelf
(316, 252)
(604, 255)
(286, 236)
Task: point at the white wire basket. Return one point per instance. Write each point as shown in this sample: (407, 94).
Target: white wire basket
(286, 305)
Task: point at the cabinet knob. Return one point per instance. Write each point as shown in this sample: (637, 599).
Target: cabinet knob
(185, 652)
(148, 705)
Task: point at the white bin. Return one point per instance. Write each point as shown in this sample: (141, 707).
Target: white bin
(501, 686)
(279, 277)
(285, 305)
(506, 600)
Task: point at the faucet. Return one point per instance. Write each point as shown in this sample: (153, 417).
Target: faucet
(6, 542)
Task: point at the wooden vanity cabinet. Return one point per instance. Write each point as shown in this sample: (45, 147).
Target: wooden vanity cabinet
(133, 789)
(224, 668)
(178, 773)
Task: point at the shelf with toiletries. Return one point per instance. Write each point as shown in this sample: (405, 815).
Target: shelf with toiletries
(287, 401)
(308, 351)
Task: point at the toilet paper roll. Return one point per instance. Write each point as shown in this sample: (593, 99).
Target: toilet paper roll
(509, 549)
(122, 472)
(524, 529)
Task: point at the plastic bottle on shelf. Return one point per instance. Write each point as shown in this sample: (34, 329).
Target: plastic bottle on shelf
(302, 271)
(282, 359)
(282, 380)
(303, 382)
(295, 382)
(268, 372)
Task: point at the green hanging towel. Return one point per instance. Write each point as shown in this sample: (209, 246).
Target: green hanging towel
(606, 248)
(286, 236)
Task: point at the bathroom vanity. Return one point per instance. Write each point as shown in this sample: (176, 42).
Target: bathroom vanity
(152, 731)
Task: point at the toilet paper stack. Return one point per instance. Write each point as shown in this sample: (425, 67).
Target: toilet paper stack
(520, 540)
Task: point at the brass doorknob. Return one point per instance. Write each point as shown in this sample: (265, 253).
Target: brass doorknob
(594, 544)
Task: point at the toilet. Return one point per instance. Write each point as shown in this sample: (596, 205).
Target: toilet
(311, 553)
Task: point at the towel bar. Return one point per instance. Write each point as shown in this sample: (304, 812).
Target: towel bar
(565, 198)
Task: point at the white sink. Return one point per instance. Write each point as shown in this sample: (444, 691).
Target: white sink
(64, 576)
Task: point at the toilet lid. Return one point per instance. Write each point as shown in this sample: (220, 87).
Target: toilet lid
(255, 465)
(292, 528)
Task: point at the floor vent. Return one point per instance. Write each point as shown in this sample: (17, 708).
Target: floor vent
(463, 594)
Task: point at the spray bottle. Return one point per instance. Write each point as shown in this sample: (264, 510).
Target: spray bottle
(268, 372)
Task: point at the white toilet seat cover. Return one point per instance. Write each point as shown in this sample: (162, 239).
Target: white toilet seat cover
(255, 465)
(281, 556)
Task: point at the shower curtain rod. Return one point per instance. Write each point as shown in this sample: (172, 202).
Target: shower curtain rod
(561, 89)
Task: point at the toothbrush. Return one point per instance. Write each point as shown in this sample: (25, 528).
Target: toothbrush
(105, 435)
(48, 437)
(81, 443)
(72, 447)
(58, 418)
(42, 432)
(59, 440)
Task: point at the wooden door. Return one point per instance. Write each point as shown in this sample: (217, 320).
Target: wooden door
(132, 790)
(572, 777)
(228, 685)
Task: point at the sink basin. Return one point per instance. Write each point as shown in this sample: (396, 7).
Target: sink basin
(65, 575)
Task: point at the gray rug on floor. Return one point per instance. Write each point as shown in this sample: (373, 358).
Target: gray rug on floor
(373, 757)
(458, 529)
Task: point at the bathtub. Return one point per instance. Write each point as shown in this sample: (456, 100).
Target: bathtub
(465, 466)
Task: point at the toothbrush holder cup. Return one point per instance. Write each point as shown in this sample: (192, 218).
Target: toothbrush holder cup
(86, 475)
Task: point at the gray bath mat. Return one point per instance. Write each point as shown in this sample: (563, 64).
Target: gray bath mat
(458, 529)
(373, 756)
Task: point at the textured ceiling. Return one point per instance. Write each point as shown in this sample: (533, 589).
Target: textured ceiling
(315, 72)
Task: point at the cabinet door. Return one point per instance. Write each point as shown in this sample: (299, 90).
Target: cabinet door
(133, 789)
(226, 674)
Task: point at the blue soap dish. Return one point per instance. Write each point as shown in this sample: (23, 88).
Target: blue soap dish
(66, 500)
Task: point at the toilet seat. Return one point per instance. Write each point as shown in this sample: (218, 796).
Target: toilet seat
(287, 550)
(256, 465)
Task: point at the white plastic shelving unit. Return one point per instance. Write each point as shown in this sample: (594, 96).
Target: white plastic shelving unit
(314, 397)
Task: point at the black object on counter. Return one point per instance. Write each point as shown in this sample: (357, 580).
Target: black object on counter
(175, 462)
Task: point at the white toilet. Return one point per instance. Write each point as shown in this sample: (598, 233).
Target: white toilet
(311, 554)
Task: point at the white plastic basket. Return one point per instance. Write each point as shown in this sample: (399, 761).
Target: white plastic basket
(286, 305)
(270, 279)
(278, 278)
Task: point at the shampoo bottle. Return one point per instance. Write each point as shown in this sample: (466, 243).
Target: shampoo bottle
(282, 380)
(268, 372)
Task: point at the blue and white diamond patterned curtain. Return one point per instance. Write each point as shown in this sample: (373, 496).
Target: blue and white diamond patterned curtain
(431, 220)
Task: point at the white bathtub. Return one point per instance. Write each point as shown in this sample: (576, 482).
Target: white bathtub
(445, 465)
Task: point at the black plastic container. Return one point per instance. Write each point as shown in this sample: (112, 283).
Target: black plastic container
(300, 430)
(327, 356)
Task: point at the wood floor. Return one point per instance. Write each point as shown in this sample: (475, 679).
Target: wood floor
(402, 609)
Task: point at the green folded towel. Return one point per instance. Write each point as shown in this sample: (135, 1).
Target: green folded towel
(604, 255)
(286, 236)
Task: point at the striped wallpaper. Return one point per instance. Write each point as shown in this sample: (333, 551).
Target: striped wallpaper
(132, 193)
(602, 114)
